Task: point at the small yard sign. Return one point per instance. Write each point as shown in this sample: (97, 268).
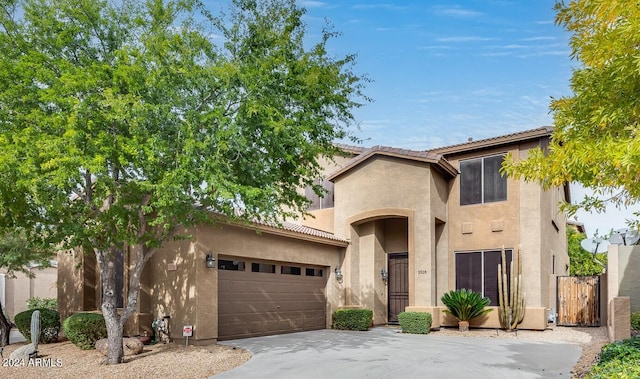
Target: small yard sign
(187, 330)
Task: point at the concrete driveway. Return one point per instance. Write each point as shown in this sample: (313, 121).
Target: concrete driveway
(385, 353)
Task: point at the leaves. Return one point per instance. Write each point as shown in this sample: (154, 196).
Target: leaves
(595, 138)
(466, 305)
(122, 120)
(118, 117)
(582, 262)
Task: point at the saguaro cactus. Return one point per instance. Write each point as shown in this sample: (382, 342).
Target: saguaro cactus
(35, 329)
(510, 295)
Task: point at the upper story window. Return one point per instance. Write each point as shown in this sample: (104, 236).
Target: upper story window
(481, 181)
(318, 202)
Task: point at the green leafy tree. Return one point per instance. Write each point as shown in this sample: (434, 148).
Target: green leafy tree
(19, 252)
(595, 138)
(581, 261)
(121, 120)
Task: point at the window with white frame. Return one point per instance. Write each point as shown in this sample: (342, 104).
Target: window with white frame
(478, 271)
(481, 181)
(320, 202)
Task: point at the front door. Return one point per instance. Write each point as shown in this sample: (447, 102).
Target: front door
(398, 285)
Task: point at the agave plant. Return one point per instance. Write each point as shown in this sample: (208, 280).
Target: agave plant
(465, 305)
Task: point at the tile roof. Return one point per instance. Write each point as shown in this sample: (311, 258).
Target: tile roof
(494, 141)
(303, 231)
(422, 156)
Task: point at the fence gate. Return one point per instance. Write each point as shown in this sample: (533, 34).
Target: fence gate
(578, 300)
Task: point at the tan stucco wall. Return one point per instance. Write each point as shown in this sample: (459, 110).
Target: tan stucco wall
(323, 219)
(523, 221)
(390, 188)
(623, 271)
(71, 283)
(190, 294)
(483, 226)
(18, 289)
(535, 318)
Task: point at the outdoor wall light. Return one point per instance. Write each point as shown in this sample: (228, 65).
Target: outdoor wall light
(210, 260)
(338, 274)
(385, 275)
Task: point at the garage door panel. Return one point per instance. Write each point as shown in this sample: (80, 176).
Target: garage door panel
(258, 303)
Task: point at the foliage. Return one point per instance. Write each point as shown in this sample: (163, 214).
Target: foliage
(84, 329)
(619, 360)
(20, 249)
(595, 138)
(635, 320)
(49, 324)
(465, 305)
(122, 120)
(581, 262)
(352, 319)
(415, 322)
(45, 302)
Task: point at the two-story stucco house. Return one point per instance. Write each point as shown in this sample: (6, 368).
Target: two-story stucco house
(397, 229)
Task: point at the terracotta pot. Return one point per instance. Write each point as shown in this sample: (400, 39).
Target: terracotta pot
(463, 326)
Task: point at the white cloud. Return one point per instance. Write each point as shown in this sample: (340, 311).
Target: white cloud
(465, 39)
(540, 38)
(312, 4)
(379, 6)
(456, 11)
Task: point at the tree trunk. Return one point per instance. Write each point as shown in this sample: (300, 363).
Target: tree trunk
(106, 261)
(114, 335)
(5, 328)
(115, 322)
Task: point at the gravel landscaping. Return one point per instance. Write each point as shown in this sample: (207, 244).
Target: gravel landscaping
(64, 360)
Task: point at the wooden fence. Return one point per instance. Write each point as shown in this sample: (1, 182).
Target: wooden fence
(578, 300)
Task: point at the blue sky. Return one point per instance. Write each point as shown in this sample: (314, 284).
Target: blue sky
(443, 72)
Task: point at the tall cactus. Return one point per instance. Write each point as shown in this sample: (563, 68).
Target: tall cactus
(510, 295)
(35, 329)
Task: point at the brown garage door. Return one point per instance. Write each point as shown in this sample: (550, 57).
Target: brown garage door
(258, 298)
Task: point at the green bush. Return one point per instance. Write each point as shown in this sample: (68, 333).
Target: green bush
(84, 329)
(352, 319)
(39, 303)
(626, 349)
(635, 320)
(465, 305)
(415, 322)
(618, 360)
(49, 324)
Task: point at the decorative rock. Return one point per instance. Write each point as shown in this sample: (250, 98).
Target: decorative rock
(23, 353)
(131, 346)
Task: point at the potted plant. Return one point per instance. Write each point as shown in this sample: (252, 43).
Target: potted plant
(465, 305)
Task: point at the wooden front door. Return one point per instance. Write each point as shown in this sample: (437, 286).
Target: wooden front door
(398, 285)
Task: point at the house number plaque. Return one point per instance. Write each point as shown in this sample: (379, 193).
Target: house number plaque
(423, 272)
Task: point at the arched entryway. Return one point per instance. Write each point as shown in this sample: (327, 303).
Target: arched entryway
(379, 258)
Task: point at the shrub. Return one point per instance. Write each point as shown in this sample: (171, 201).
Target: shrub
(49, 324)
(465, 305)
(352, 319)
(635, 320)
(618, 360)
(415, 322)
(39, 303)
(84, 329)
(626, 349)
